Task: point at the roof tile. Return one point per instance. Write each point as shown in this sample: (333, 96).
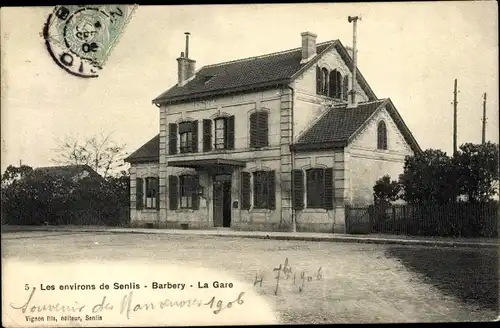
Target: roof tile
(339, 123)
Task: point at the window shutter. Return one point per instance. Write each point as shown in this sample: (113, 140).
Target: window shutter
(245, 190)
(196, 199)
(253, 130)
(172, 139)
(207, 135)
(263, 126)
(229, 132)
(139, 193)
(194, 131)
(318, 80)
(173, 191)
(272, 189)
(157, 193)
(333, 84)
(328, 201)
(345, 88)
(298, 189)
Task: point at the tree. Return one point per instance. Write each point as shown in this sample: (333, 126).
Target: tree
(14, 173)
(101, 153)
(477, 170)
(385, 190)
(429, 177)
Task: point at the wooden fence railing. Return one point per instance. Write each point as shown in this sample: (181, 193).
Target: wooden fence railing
(453, 219)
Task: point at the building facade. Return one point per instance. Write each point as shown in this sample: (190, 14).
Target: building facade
(272, 142)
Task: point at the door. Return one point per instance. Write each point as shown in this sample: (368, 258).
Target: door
(222, 200)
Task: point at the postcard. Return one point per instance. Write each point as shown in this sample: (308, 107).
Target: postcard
(251, 164)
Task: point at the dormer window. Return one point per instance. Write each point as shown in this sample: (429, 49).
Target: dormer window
(335, 90)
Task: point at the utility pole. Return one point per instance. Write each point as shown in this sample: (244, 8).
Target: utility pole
(455, 118)
(483, 140)
(352, 93)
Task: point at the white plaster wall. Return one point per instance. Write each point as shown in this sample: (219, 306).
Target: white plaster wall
(365, 164)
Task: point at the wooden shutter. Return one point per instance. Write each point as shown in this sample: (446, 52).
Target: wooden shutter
(157, 192)
(195, 205)
(207, 135)
(173, 191)
(253, 130)
(245, 190)
(345, 87)
(318, 80)
(229, 137)
(328, 201)
(172, 139)
(139, 194)
(272, 189)
(194, 131)
(263, 128)
(298, 189)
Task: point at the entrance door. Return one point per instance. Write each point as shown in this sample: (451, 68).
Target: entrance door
(222, 200)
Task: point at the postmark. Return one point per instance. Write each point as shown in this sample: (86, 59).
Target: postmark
(79, 38)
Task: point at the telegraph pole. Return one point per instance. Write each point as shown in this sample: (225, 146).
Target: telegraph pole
(455, 102)
(484, 119)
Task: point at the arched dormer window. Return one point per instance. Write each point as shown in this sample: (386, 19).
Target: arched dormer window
(335, 84)
(381, 136)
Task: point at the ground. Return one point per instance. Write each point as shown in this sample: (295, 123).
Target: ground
(349, 282)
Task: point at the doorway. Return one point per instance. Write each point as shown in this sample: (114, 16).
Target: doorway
(222, 200)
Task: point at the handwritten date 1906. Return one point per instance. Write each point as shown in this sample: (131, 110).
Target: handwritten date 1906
(285, 272)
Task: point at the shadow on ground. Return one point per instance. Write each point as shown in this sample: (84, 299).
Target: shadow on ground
(469, 274)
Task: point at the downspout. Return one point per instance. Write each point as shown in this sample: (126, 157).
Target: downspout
(292, 159)
(158, 216)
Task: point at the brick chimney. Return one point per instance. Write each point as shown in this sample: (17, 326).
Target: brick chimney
(308, 46)
(185, 65)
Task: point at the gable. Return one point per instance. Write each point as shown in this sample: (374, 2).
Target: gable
(332, 59)
(366, 138)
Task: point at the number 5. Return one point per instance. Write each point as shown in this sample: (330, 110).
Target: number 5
(26, 287)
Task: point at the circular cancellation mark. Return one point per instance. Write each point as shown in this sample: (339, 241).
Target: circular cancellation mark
(80, 38)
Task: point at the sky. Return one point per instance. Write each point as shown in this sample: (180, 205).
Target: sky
(410, 52)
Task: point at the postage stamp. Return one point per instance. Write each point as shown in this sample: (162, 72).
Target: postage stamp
(80, 37)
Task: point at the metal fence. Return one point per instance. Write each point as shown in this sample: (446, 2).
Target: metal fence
(453, 219)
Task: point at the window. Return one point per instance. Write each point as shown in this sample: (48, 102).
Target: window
(315, 188)
(147, 193)
(151, 192)
(335, 90)
(318, 188)
(220, 133)
(264, 190)
(188, 133)
(187, 189)
(381, 136)
(259, 129)
(261, 189)
(183, 192)
(186, 142)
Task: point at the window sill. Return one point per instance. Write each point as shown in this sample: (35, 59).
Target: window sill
(148, 210)
(260, 210)
(313, 210)
(185, 210)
